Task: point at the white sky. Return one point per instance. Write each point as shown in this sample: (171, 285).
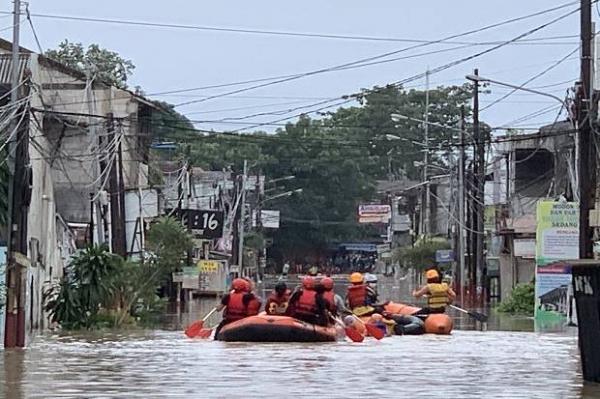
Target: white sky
(169, 59)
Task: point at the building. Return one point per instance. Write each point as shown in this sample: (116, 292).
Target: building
(85, 142)
(522, 172)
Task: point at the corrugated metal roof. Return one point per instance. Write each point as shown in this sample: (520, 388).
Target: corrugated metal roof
(6, 66)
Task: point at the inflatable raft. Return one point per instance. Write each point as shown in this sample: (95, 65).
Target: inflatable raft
(436, 323)
(265, 328)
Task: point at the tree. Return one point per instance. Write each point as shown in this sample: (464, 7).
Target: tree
(108, 65)
(169, 242)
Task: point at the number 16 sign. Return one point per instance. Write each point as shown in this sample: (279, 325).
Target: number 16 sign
(205, 224)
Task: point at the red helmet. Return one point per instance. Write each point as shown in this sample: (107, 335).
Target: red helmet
(239, 284)
(308, 282)
(327, 283)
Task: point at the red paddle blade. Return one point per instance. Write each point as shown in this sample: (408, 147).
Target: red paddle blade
(354, 335)
(205, 333)
(374, 331)
(194, 328)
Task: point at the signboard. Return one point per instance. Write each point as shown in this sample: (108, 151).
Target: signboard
(204, 224)
(552, 294)
(208, 266)
(444, 256)
(557, 238)
(524, 247)
(557, 231)
(2, 291)
(213, 276)
(374, 213)
(268, 219)
(360, 247)
(188, 278)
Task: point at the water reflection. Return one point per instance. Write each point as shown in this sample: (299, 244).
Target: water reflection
(514, 363)
(468, 364)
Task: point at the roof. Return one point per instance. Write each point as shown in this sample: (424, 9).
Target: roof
(50, 63)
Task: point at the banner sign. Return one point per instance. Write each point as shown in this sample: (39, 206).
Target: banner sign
(204, 224)
(557, 239)
(374, 213)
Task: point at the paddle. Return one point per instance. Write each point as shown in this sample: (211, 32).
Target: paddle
(350, 332)
(476, 315)
(373, 330)
(196, 327)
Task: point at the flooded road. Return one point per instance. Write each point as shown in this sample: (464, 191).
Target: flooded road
(467, 364)
(165, 364)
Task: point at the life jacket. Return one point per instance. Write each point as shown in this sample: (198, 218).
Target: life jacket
(306, 304)
(438, 295)
(357, 295)
(253, 306)
(277, 305)
(235, 310)
(329, 297)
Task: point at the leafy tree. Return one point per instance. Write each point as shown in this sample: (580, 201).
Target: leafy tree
(109, 66)
(422, 254)
(169, 242)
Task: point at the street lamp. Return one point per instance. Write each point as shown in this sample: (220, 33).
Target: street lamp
(477, 78)
(286, 194)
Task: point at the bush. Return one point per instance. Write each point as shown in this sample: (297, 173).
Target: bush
(421, 255)
(520, 302)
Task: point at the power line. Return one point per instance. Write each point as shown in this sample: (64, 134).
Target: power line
(287, 33)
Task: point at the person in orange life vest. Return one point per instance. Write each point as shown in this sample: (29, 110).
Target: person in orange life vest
(308, 304)
(439, 294)
(277, 303)
(236, 303)
(254, 302)
(359, 295)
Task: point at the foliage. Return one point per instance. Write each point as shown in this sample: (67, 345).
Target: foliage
(109, 66)
(169, 241)
(521, 300)
(422, 254)
(89, 286)
(101, 290)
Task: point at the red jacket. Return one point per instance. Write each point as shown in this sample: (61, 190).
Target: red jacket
(236, 308)
(306, 305)
(357, 295)
(329, 297)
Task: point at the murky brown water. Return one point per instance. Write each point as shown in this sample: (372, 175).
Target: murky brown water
(467, 364)
(164, 363)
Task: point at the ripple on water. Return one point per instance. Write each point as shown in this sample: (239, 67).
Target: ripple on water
(467, 364)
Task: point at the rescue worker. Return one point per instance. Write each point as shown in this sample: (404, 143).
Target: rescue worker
(308, 304)
(237, 303)
(339, 307)
(359, 296)
(439, 294)
(254, 302)
(277, 303)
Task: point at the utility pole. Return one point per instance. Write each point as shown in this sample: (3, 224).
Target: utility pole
(587, 153)
(242, 219)
(117, 246)
(96, 168)
(261, 255)
(426, 227)
(479, 188)
(17, 204)
(461, 204)
(122, 230)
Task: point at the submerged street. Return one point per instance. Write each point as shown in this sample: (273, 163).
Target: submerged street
(466, 364)
(469, 363)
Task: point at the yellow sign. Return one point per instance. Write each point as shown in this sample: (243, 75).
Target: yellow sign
(208, 266)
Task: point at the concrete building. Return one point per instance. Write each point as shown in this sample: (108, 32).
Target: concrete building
(522, 172)
(63, 151)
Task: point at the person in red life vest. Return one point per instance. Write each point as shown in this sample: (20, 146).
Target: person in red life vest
(360, 298)
(237, 304)
(307, 303)
(277, 303)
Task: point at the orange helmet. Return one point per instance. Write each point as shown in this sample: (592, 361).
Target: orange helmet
(431, 274)
(327, 283)
(308, 282)
(239, 284)
(356, 278)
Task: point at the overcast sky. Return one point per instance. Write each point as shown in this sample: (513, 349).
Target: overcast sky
(170, 59)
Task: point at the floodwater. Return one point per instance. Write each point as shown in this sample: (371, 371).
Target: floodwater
(163, 363)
